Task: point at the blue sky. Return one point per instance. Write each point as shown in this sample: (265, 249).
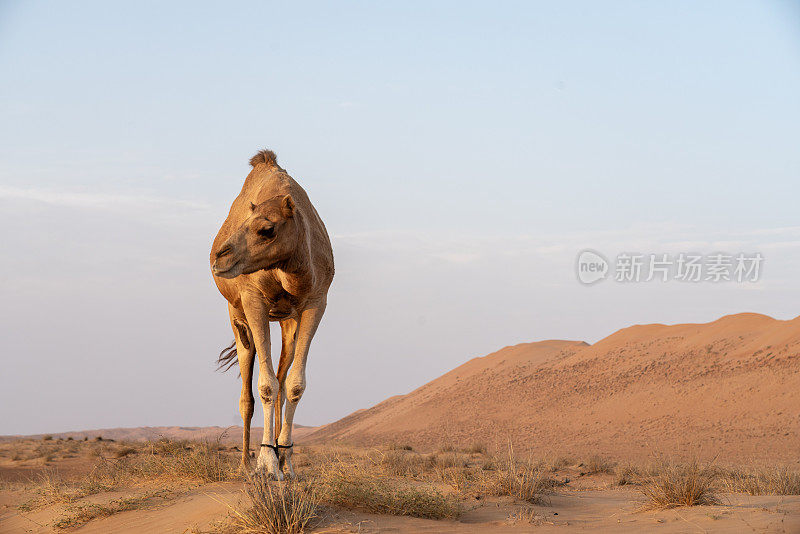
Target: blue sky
(461, 155)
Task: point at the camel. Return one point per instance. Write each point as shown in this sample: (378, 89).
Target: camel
(272, 261)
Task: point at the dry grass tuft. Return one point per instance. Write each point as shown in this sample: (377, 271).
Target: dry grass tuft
(476, 448)
(561, 462)
(443, 460)
(526, 482)
(275, 507)
(402, 463)
(124, 451)
(626, 475)
(762, 481)
(679, 485)
(525, 516)
(597, 464)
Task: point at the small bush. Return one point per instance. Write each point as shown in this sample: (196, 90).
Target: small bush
(47, 438)
(443, 460)
(527, 482)
(596, 464)
(561, 462)
(626, 475)
(275, 507)
(677, 485)
(122, 452)
(476, 448)
(402, 463)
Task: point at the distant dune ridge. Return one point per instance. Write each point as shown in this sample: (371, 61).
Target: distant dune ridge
(227, 435)
(730, 387)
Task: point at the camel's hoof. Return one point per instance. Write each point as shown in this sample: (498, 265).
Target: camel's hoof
(264, 472)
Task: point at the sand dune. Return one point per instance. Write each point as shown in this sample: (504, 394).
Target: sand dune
(729, 388)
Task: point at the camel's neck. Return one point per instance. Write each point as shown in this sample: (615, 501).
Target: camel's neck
(297, 272)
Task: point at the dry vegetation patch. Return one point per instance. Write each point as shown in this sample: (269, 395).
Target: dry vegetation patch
(762, 481)
(274, 507)
(80, 514)
(679, 485)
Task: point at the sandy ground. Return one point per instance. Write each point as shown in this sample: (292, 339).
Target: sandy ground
(587, 503)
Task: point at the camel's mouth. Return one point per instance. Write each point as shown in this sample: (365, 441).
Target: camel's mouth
(232, 271)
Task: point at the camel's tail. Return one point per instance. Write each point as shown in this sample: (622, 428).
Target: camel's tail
(227, 358)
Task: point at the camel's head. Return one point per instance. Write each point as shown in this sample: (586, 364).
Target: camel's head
(267, 237)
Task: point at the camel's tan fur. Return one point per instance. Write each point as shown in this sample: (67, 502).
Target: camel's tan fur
(272, 261)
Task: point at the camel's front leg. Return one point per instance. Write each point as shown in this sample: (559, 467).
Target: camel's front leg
(295, 383)
(257, 314)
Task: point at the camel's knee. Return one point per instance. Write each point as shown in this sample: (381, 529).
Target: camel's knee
(294, 390)
(268, 392)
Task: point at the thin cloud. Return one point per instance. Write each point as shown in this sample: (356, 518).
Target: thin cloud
(98, 201)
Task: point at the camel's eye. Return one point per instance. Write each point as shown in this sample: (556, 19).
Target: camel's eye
(267, 233)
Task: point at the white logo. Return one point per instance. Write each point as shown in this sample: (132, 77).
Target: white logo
(591, 267)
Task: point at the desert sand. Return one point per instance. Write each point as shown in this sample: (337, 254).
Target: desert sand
(591, 425)
(728, 389)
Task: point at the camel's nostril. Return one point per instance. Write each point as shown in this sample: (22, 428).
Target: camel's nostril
(223, 251)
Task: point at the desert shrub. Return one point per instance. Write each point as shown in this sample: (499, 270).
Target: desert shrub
(441, 460)
(458, 478)
(477, 447)
(524, 515)
(397, 447)
(561, 462)
(47, 438)
(679, 485)
(401, 463)
(124, 451)
(275, 507)
(762, 481)
(597, 464)
(526, 482)
(489, 464)
(625, 475)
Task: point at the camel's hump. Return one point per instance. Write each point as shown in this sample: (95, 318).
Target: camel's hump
(266, 157)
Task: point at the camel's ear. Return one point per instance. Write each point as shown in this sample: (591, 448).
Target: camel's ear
(252, 207)
(287, 207)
